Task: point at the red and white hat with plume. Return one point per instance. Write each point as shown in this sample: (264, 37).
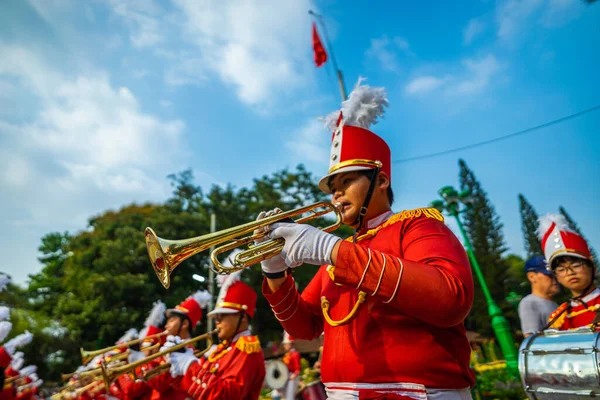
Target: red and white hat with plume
(287, 338)
(153, 323)
(234, 296)
(192, 307)
(353, 146)
(559, 239)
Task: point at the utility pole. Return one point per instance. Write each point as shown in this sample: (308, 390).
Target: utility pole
(211, 276)
(338, 72)
(500, 325)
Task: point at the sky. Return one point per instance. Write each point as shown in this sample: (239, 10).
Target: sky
(101, 99)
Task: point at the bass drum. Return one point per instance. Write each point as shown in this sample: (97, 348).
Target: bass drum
(557, 365)
(312, 391)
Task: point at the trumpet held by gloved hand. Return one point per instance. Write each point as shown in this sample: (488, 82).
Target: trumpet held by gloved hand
(180, 361)
(274, 264)
(304, 243)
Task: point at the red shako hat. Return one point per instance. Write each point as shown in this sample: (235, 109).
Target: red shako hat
(191, 307)
(287, 338)
(353, 146)
(234, 296)
(559, 239)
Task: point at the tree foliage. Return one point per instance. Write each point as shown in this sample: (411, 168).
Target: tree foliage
(484, 230)
(529, 225)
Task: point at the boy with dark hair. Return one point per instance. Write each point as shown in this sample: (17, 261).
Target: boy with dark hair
(570, 261)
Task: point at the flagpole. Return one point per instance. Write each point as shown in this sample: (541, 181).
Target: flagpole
(338, 72)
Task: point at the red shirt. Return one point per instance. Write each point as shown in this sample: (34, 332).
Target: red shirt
(411, 330)
(231, 372)
(578, 314)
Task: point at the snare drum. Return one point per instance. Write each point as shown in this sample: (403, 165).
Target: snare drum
(560, 365)
(312, 391)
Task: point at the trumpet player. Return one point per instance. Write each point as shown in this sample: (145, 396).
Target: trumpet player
(181, 321)
(235, 369)
(393, 298)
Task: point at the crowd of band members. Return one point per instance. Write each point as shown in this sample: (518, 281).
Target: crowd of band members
(391, 300)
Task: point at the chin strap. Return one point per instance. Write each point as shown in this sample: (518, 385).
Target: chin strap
(360, 219)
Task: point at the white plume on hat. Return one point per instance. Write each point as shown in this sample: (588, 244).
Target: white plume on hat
(5, 327)
(156, 316)
(202, 297)
(28, 370)
(17, 363)
(4, 281)
(545, 222)
(364, 105)
(18, 341)
(4, 313)
(131, 334)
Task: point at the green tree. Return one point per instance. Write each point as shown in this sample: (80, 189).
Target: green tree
(484, 229)
(529, 225)
(575, 227)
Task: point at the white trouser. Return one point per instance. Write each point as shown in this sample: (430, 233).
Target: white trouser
(345, 391)
(291, 388)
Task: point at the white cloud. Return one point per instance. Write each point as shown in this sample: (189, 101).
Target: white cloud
(423, 85)
(476, 75)
(260, 48)
(144, 20)
(479, 74)
(88, 145)
(512, 15)
(311, 142)
(473, 29)
(384, 50)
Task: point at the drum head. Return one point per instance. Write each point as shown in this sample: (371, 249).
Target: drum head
(277, 374)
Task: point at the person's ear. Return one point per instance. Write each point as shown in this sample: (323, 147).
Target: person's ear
(383, 181)
(531, 276)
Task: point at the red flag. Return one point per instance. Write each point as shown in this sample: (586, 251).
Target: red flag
(319, 51)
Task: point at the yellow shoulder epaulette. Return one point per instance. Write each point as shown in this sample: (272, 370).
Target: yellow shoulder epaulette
(428, 212)
(248, 344)
(561, 320)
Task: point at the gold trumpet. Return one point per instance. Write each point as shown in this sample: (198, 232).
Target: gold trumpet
(165, 255)
(110, 374)
(88, 355)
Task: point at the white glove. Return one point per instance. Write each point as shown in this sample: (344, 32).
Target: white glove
(304, 243)
(172, 341)
(180, 362)
(276, 263)
(134, 356)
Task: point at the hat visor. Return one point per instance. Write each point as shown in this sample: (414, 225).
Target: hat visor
(324, 181)
(173, 311)
(222, 310)
(566, 254)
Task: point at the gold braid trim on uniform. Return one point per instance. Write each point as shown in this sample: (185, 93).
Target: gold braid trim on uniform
(590, 308)
(429, 212)
(561, 319)
(248, 344)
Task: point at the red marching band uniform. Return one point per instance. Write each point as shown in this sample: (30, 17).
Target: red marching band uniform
(558, 240)
(233, 370)
(393, 306)
(164, 386)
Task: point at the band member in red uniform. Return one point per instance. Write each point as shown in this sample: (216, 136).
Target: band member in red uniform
(391, 300)
(7, 351)
(234, 369)
(181, 321)
(570, 260)
(126, 387)
(292, 359)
